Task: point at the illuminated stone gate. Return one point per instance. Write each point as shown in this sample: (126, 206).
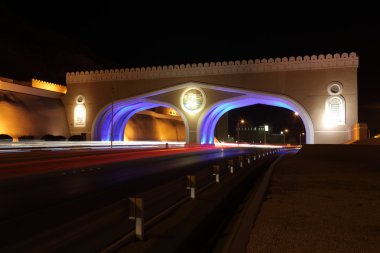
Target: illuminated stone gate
(322, 89)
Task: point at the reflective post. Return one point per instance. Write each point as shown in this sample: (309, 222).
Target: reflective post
(248, 159)
(216, 172)
(231, 165)
(190, 184)
(136, 212)
(241, 161)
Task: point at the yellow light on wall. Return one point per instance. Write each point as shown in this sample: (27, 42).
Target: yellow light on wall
(80, 112)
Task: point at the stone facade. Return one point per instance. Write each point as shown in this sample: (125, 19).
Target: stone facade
(301, 83)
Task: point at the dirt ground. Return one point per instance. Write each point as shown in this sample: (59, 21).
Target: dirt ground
(326, 198)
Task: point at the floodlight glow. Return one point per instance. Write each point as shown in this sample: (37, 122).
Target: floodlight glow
(80, 116)
(193, 100)
(266, 128)
(334, 111)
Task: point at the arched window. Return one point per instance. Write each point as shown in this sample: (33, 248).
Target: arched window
(80, 112)
(335, 110)
(80, 116)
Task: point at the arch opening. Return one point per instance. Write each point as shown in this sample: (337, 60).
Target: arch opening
(211, 116)
(261, 124)
(112, 121)
(162, 124)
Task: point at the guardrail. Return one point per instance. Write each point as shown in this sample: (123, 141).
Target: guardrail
(183, 189)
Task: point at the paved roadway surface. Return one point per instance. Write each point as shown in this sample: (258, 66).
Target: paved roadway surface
(34, 201)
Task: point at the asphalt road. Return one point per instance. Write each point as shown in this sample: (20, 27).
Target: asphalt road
(38, 202)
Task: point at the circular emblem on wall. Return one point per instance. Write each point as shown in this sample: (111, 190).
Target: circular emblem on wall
(80, 100)
(193, 100)
(335, 88)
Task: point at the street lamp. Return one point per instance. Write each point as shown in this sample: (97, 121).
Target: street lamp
(238, 128)
(112, 93)
(266, 128)
(285, 132)
(301, 137)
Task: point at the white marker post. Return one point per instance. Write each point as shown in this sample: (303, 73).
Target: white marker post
(216, 172)
(190, 184)
(248, 159)
(241, 161)
(136, 212)
(231, 165)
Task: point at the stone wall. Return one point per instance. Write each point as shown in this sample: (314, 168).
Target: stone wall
(24, 114)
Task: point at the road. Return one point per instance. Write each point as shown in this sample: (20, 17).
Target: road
(36, 201)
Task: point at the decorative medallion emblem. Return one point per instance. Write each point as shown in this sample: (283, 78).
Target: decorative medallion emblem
(80, 100)
(335, 88)
(193, 100)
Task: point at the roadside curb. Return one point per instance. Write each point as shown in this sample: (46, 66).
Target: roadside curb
(239, 236)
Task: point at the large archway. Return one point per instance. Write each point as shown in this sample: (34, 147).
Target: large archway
(116, 115)
(159, 124)
(112, 120)
(261, 124)
(210, 117)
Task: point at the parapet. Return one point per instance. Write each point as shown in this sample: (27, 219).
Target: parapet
(328, 61)
(49, 86)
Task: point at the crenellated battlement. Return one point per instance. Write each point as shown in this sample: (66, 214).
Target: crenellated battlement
(49, 86)
(328, 61)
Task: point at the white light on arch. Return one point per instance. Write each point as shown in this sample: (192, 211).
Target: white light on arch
(80, 116)
(334, 111)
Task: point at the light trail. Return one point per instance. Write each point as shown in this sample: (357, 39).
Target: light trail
(43, 162)
(25, 145)
(245, 145)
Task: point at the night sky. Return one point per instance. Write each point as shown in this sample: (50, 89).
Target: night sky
(47, 44)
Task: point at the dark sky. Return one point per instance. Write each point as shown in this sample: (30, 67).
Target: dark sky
(112, 35)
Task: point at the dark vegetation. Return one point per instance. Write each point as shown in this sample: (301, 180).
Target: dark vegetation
(49, 137)
(26, 138)
(76, 138)
(5, 137)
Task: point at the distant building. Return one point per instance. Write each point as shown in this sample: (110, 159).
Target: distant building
(258, 135)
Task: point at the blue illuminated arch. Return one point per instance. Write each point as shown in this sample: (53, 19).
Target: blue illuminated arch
(125, 109)
(209, 119)
(122, 111)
